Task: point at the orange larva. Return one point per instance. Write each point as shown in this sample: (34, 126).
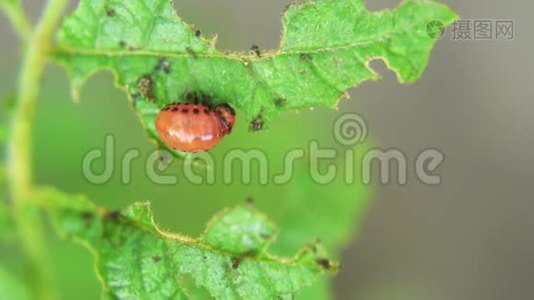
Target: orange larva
(194, 127)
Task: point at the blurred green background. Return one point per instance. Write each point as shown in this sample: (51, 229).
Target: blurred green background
(468, 238)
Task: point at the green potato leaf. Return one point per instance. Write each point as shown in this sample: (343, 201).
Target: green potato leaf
(326, 48)
(138, 260)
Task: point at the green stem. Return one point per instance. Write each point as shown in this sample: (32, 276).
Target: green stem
(18, 19)
(19, 168)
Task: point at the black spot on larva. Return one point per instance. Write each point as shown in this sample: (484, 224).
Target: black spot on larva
(198, 33)
(185, 110)
(280, 102)
(174, 109)
(206, 111)
(196, 111)
(323, 262)
(163, 65)
(256, 124)
(156, 259)
(256, 50)
(305, 57)
(110, 12)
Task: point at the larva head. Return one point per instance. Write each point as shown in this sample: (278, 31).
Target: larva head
(227, 115)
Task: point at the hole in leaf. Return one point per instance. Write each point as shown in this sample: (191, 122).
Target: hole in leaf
(380, 67)
(378, 5)
(237, 24)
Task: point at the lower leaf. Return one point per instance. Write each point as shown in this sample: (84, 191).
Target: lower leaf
(138, 260)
